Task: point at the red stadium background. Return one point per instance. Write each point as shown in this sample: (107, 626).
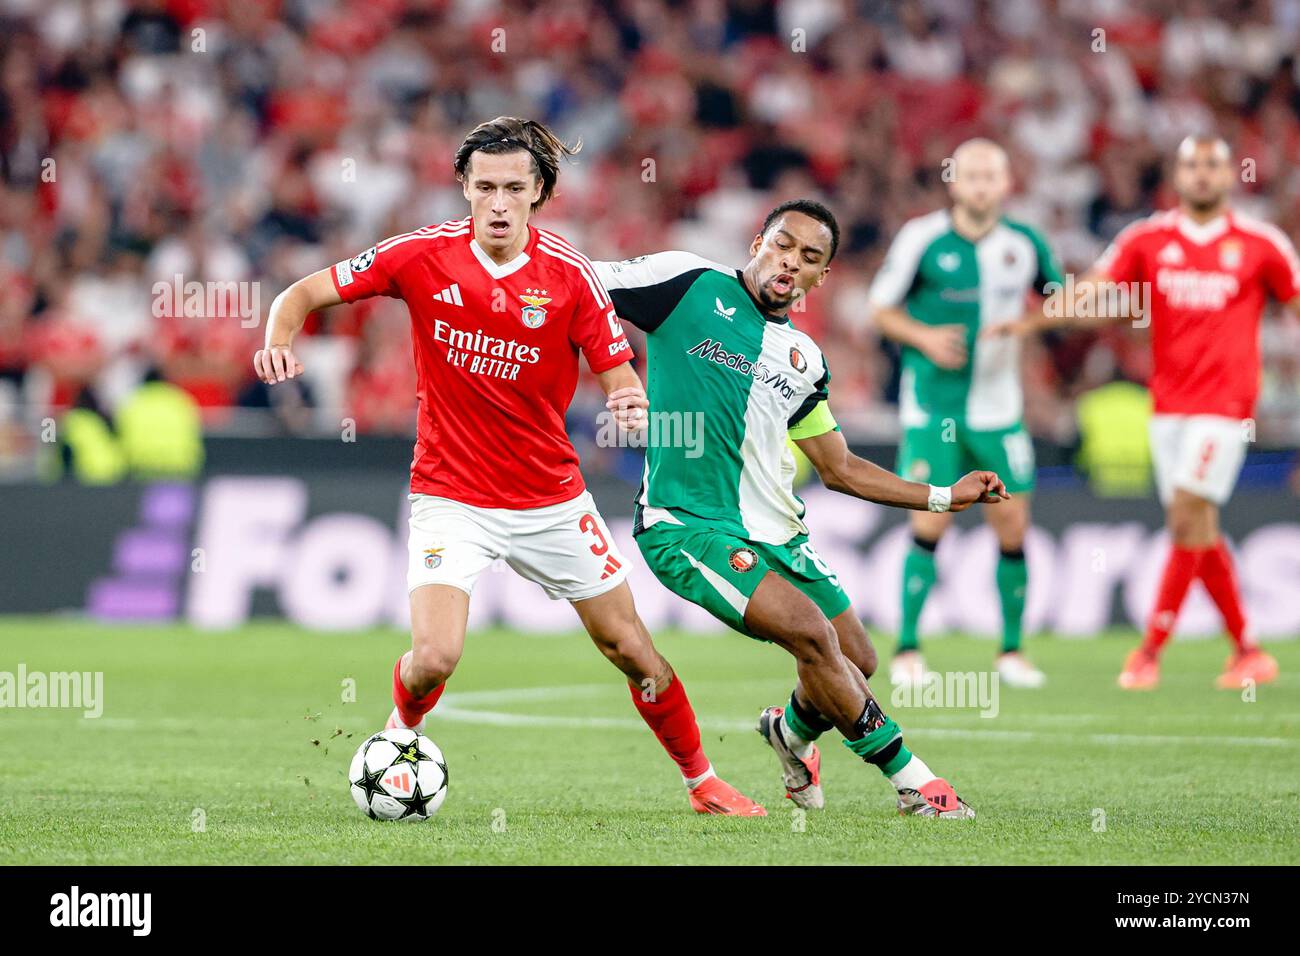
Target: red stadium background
(168, 167)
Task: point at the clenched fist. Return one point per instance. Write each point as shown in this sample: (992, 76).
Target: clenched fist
(984, 487)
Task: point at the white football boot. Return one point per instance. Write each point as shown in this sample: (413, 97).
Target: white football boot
(801, 775)
(1014, 670)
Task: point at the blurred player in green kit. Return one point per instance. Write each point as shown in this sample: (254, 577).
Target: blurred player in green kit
(948, 277)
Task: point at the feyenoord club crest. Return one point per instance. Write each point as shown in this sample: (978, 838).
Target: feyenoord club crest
(534, 315)
(799, 363)
(432, 557)
(743, 559)
(363, 262)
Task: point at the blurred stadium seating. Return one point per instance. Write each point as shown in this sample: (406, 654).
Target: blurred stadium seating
(254, 142)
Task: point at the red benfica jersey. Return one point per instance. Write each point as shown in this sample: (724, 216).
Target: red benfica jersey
(1207, 284)
(496, 358)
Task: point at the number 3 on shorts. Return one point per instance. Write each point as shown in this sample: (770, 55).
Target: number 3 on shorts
(589, 524)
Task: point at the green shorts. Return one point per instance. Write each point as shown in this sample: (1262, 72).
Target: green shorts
(944, 450)
(720, 571)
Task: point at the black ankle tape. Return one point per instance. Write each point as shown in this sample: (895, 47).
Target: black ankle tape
(886, 753)
(1014, 554)
(925, 545)
(873, 718)
(811, 719)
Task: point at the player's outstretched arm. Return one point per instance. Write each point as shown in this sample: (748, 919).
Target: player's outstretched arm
(276, 361)
(625, 397)
(841, 470)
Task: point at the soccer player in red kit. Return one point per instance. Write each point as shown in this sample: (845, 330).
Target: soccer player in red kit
(1207, 272)
(499, 312)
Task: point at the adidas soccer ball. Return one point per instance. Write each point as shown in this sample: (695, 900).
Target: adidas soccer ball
(398, 775)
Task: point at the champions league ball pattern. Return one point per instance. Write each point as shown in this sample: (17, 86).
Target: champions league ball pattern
(398, 775)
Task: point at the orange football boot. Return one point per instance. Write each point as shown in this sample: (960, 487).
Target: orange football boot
(1141, 671)
(715, 795)
(1253, 665)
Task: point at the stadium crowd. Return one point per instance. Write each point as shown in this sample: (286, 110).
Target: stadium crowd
(145, 144)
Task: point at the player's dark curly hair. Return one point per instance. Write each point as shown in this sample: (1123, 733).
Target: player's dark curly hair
(506, 134)
(813, 209)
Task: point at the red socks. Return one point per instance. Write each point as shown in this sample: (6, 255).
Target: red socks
(409, 707)
(1180, 570)
(673, 721)
(1220, 580)
(1213, 566)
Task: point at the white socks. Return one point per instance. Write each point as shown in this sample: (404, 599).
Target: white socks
(913, 776)
(693, 782)
(799, 747)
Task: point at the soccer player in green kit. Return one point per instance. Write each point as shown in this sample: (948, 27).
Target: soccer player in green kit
(948, 276)
(717, 520)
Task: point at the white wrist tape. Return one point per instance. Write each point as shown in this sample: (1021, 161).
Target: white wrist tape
(940, 498)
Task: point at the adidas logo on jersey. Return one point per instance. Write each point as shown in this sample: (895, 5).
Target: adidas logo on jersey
(721, 310)
(450, 295)
(1172, 254)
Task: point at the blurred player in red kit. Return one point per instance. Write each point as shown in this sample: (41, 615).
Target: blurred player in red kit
(499, 312)
(1206, 273)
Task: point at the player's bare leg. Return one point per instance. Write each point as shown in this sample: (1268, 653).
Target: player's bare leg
(620, 634)
(855, 643)
(439, 613)
(799, 758)
(907, 669)
(1010, 522)
(837, 692)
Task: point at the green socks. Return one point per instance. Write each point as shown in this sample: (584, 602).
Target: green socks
(918, 578)
(881, 742)
(1012, 577)
(883, 747)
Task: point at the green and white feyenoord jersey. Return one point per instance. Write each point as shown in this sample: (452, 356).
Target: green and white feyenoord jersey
(718, 363)
(943, 278)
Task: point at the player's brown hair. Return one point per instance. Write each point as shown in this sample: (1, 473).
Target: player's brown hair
(506, 134)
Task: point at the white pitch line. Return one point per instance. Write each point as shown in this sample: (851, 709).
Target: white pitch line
(454, 707)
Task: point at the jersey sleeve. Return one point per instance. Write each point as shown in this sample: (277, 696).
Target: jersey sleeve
(897, 273)
(1281, 268)
(372, 272)
(645, 290)
(1049, 272)
(1120, 262)
(595, 328)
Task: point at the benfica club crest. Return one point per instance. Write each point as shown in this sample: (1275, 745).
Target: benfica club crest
(533, 315)
(1230, 253)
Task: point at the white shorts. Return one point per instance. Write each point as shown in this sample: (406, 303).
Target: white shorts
(1198, 453)
(566, 548)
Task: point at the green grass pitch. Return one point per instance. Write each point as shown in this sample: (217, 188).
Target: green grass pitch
(233, 748)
